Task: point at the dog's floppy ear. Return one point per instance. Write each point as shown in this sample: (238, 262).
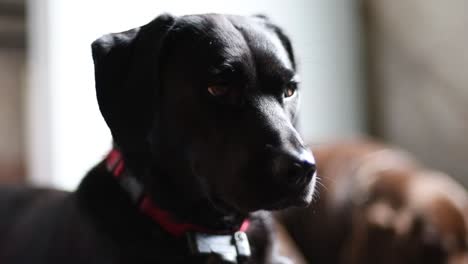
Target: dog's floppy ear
(127, 80)
(281, 35)
(263, 17)
(286, 43)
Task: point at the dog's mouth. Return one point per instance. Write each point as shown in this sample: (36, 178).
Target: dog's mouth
(299, 196)
(278, 198)
(257, 193)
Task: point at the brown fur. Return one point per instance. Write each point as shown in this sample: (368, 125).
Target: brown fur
(378, 205)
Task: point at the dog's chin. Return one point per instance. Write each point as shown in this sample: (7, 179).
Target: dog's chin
(298, 197)
(301, 196)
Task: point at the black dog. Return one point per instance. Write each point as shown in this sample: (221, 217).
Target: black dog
(202, 111)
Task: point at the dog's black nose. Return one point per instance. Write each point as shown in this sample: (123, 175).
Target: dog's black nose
(294, 169)
(300, 172)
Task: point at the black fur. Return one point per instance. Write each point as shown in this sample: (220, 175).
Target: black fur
(210, 160)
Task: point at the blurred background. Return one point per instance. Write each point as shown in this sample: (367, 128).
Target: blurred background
(394, 70)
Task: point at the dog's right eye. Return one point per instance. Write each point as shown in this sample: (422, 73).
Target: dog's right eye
(218, 90)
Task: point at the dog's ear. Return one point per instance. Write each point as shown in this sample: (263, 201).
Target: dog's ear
(281, 35)
(127, 80)
(286, 43)
(263, 17)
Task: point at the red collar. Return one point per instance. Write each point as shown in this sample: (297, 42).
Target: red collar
(115, 165)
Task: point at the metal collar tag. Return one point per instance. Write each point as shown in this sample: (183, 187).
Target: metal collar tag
(232, 248)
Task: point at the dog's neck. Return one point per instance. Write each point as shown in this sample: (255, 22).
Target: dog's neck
(178, 209)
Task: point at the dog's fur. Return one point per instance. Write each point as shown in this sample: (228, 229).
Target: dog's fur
(378, 205)
(209, 160)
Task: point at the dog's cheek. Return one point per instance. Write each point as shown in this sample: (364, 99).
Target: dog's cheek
(250, 192)
(291, 108)
(231, 178)
(209, 163)
(230, 168)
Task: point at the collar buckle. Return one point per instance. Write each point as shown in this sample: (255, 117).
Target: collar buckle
(233, 248)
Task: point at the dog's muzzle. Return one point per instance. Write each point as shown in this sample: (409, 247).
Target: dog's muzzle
(293, 170)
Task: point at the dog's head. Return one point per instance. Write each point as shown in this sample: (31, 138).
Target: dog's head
(209, 103)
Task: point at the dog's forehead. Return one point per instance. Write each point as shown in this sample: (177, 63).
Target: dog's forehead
(239, 38)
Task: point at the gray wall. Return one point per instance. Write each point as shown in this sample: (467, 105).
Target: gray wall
(419, 68)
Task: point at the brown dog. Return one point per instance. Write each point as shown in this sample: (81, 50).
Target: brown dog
(378, 205)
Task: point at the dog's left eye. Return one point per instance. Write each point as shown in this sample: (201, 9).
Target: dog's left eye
(218, 90)
(290, 91)
(291, 87)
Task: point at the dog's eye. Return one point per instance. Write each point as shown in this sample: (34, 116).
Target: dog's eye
(290, 91)
(291, 87)
(218, 90)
